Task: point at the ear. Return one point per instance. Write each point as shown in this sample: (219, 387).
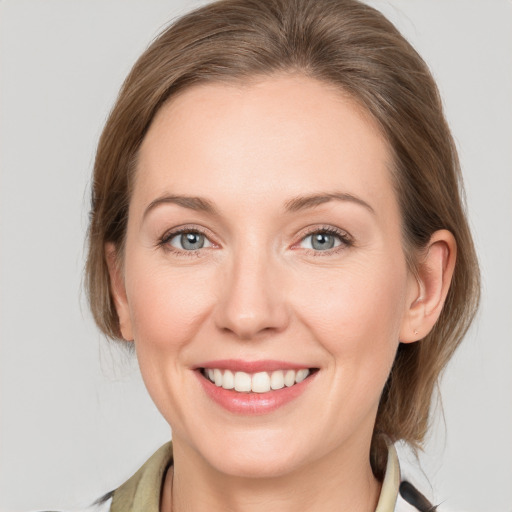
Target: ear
(118, 291)
(427, 293)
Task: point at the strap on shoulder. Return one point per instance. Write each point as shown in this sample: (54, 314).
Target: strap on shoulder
(414, 497)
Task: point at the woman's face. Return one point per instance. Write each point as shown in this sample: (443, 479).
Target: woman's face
(264, 238)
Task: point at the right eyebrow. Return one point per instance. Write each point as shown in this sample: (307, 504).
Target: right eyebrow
(192, 203)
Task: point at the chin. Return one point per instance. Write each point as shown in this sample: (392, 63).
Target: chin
(257, 465)
(254, 457)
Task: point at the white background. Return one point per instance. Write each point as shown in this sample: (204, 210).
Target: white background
(75, 419)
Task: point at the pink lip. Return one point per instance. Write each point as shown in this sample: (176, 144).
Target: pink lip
(238, 365)
(252, 403)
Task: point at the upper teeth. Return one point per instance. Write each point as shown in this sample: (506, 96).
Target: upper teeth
(260, 382)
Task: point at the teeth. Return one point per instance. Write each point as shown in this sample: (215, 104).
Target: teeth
(261, 382)
(277, 380)
(301, 375)
(289, 378)
(228, 380)
(217, 377)
(242, 381)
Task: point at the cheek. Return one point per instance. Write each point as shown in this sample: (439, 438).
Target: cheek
(167, 308)
(356, 313)
(166, 305)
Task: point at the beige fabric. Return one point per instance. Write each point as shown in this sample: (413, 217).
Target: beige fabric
(141, 493)
(391, 483)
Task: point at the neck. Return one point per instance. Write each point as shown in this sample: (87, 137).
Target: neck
(341, 480)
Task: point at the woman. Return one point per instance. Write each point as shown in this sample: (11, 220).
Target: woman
(277, 227)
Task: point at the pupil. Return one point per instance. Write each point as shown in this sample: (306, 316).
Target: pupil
(323, 241)
(192, 241)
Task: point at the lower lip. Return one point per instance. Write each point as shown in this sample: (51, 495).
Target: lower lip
(253, 403)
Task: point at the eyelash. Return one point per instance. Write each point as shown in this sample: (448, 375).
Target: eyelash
(345, 239)
(167, 237)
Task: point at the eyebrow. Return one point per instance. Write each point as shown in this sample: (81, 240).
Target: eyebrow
(305, 202)
(192, 203)
(293, 205)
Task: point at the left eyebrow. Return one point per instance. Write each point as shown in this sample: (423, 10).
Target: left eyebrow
(305, 202)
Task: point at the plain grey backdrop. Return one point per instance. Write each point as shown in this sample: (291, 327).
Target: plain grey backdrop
(75, 419)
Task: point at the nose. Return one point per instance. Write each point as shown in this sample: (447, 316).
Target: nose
(253, 298)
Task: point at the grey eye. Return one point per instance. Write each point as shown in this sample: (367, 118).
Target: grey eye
(321, 241)
(189, 241)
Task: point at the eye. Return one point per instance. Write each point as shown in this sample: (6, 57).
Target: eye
(188, 240)
(324, 240)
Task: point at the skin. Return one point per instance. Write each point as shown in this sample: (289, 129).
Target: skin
(258, 290)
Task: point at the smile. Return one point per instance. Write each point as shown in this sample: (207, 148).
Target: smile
(261, 382)
(254, 388)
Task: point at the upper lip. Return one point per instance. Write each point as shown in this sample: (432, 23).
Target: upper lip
(239, 365)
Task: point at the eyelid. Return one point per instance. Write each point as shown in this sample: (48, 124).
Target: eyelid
(176, 239)
(164, 240)
(346, 239)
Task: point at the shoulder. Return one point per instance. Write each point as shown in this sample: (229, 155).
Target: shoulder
(142, 491)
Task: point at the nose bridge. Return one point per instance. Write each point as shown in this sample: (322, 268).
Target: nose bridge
(252, 300)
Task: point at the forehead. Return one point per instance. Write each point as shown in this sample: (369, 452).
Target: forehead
(280, 135)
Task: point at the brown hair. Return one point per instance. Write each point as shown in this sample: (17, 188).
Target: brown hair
(340, 42)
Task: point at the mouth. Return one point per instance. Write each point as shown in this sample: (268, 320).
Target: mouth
(259, 382)
(254, 388)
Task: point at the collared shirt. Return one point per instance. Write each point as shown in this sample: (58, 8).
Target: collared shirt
(141, 493)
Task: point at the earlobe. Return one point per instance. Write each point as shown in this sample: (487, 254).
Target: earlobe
(428, 294)
(118, 292)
